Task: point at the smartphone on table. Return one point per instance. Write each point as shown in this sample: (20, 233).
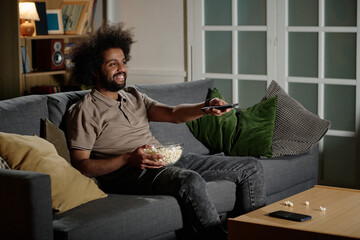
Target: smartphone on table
(290, 216)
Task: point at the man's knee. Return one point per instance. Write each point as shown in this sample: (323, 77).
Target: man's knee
(175, 180)
(256, 167)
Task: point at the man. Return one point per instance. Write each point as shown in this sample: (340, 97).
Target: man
(108, 131)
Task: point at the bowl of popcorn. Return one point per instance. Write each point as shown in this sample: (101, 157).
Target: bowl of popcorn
(171, 152)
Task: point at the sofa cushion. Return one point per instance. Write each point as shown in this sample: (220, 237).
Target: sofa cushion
(285, 172)
(120, 217)
(22, 115)
(59, 103)
(296, 129)
(114, 217)
(174, 94)
(30, 153)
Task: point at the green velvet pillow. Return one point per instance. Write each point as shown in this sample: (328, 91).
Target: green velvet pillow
(247, 132)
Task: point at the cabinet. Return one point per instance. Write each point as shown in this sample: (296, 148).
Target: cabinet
(13, 82)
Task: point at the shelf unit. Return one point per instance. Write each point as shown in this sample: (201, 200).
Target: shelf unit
(50, 78)
(13, 82)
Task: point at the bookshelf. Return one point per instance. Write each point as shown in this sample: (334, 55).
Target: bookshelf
(17, 77)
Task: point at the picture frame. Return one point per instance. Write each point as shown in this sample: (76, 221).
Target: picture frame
(54, 21)
(73, 14)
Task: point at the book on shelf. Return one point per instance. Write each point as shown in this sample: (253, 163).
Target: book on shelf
(41, 25)
(78, 15)
(25, 66)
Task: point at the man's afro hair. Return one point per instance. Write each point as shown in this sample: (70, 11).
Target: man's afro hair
(87, 54)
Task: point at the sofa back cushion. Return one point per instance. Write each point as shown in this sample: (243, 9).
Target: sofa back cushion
(173, 94)
(22, 115)
(59, 103)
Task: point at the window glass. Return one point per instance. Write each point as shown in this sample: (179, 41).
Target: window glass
(252, 53)
(225, 88)
(252, 12)
(340, 106)
(306, 94)
(303, 54)
(340, 55)
(218, 52)
(303, 12)
(251, 92)
(340, 13)
(339, 160)
(218, 12)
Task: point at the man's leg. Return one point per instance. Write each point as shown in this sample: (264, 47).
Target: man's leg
(245, 172)
(189, 188)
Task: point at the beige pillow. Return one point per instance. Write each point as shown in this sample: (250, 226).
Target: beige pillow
(56, 136)
(69, 188)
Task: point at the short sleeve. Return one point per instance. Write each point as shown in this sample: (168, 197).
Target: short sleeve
(81, 129)
(149, 102)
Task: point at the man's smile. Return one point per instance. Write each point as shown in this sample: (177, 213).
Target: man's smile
(121, 76)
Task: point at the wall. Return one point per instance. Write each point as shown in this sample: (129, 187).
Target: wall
(159, 54)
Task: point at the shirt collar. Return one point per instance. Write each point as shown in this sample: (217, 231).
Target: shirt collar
(108, 101)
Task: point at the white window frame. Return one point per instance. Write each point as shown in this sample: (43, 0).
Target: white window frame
(196, 46)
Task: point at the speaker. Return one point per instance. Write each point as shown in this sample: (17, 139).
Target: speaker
(48, 54)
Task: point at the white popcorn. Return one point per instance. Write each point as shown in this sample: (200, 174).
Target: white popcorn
(322, 208)
(307, 203)
(170, 153)
(289, 204)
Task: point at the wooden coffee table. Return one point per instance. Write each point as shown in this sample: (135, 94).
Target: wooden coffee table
(341, 220)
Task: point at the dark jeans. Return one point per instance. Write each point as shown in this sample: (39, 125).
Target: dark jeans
(186, 181)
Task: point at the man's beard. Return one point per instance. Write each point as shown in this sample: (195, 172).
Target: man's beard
(110, 84)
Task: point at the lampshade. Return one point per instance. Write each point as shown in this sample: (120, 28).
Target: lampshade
(27, 10)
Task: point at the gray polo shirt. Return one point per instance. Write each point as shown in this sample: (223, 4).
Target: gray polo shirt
(108, 127)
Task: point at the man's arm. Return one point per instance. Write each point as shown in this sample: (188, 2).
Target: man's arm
(81, 160)
(184, 112)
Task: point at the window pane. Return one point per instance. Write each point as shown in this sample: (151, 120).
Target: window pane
(339, 159)
(340, 13)
(225, 88)
(306, 94)
(303, 54)
(340, 55)
(340, 106)
(252, 12)
(218, 50)
(303, 12)
(251, 92)
(252, 52)
(218, 12)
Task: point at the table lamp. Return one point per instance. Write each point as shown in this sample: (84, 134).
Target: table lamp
(27, 12)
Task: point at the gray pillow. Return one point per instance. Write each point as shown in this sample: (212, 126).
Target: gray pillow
(296, 129)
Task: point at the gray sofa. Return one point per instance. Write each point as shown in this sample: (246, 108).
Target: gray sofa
(25, 197)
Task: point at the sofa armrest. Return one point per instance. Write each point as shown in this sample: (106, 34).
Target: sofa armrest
(25, 205)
